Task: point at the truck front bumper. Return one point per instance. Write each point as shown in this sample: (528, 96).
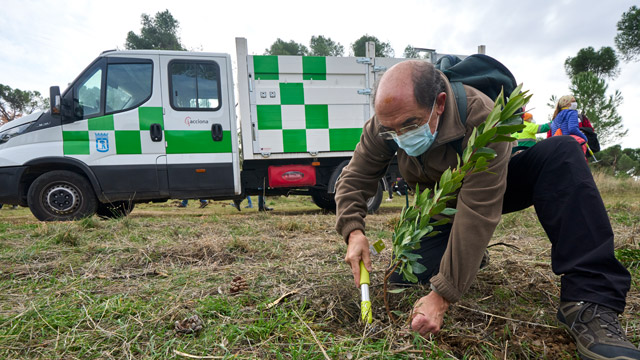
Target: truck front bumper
(10, 184)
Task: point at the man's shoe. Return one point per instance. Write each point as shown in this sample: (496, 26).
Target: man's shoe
(182, 205)
(597, 331)
(266, 208)
(203, 205)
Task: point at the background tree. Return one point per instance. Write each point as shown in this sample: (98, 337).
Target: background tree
(322, 46)
(382, 49)
(603, 63)
(615, 161)
(280, 47)
(411, 53)
(601, 109)
(628, 37)
(15, 103)
(159, 33)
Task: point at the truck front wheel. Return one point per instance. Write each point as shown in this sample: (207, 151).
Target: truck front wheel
(61, 196)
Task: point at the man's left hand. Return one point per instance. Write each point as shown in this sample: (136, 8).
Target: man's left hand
(428, 314)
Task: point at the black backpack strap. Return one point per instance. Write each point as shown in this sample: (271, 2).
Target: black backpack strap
(461, 101)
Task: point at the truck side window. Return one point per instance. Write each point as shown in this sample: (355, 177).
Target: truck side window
(128, 86)
(87, 97)
(194, 85)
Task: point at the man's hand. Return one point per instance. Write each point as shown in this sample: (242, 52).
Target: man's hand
(358, 249)
(428, 314)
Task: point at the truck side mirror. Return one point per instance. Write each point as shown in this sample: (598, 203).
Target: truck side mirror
(54, 100)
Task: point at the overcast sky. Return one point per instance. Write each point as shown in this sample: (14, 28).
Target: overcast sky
(44, 43)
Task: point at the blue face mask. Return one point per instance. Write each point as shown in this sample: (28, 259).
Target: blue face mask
(418, 141)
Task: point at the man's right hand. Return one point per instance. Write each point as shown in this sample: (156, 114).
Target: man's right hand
(358, 249)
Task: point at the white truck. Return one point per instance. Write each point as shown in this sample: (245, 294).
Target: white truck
(139, 126)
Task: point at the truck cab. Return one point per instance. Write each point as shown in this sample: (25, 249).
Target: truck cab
(133, 126)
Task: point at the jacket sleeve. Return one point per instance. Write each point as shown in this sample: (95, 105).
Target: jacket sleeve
(544, 128)
(479, 208)
(359, 179)
(572, 123)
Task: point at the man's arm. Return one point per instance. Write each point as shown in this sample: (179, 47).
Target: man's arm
(359, 181)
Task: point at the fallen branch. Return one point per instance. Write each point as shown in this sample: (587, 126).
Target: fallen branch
(196, 356)
(277, 301)
(314, 336)
(505, 244)
(506, 318)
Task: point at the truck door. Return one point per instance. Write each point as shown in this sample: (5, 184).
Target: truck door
(112, 120)
(200, 126)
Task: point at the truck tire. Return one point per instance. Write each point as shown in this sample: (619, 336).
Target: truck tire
(373, 203)
(115, 210)
(61, 196)
(327, 201)
(323, 199)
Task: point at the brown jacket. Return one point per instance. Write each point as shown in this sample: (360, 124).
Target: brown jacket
(479, 200)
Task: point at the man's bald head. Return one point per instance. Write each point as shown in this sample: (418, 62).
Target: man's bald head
(412, 78)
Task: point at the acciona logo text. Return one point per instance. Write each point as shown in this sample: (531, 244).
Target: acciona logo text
(189, 121)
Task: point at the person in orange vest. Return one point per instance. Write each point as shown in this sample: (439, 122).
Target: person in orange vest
(527, 137)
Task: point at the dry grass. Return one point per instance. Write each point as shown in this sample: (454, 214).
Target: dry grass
(113, 289)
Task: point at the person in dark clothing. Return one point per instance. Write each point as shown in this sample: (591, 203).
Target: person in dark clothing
(415, 107)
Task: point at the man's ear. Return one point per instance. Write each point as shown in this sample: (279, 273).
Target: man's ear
(440, 101)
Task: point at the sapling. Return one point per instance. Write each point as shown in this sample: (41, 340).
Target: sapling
(417, 220)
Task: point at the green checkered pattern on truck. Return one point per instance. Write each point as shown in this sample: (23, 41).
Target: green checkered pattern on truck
(130, 142)
(292, 94)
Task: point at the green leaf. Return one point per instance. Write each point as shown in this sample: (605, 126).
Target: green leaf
(437, 209)
(481, 163)
(433, 233)
(494, 117)
(483, 139)
(410, 277)
(511, 108)
(441, 221)
(487, 153)
(418, 268)
(517, 91)
(502, 138)
(513, 120)
(397, 291)
(424, 220)
(448, 212)
(509, 129)
(410, 256)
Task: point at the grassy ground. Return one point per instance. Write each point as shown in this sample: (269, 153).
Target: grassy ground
(96, 289)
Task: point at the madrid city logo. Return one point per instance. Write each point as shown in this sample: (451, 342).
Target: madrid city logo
(102, 142)
(189, 121)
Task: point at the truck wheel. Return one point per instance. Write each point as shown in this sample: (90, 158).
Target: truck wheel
(327, 201)
(115, 210)
(61, 196)
(373, 203)
(323, 199)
